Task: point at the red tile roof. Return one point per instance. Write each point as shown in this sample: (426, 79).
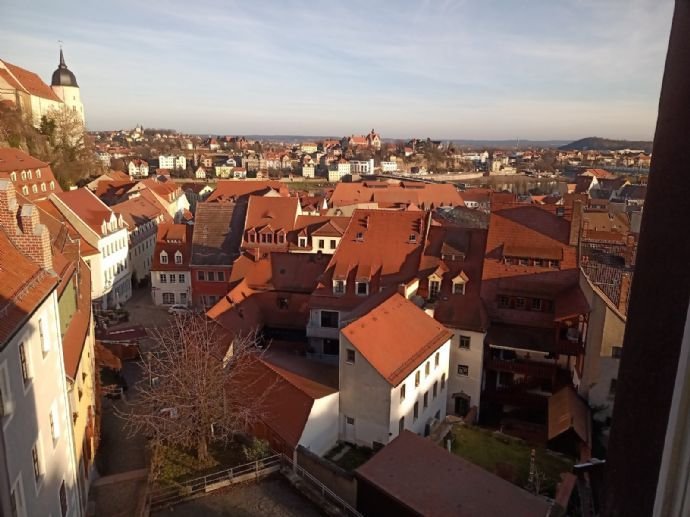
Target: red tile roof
(138, 211)
(234, 189)
(376, 246)
(599, 173)
(172, 238)
(395, 337)
(423, 195)
(15, 160)
(435, 483)
(23, 287)
(32, 83)
(84, 203)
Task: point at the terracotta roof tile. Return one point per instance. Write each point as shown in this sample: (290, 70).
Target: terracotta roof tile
(424, 195)
(234, 189)
(32, 83)
(395, 337)
(435, 483)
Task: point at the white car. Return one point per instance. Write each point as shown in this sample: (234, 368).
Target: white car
(178, 309)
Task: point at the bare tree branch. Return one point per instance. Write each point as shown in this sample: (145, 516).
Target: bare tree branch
(189, 394)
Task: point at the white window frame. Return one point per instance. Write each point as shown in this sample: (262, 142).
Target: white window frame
(18, 489)
(6, 405)
(54, 417)
(178, 257)
(164, 257)
(43, 336)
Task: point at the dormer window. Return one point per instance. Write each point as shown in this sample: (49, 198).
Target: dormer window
(413, 237)
(178, 257)
(359, 236)
(281, 237)
(104, 228)
(13, 176)
(251, 236)
(458, 287)
(339, 287)
(302, 242)
(362, 288)
(52, 185)
(164, 257)
(434, 287)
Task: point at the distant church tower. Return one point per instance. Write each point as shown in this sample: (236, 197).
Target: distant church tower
(65, 86)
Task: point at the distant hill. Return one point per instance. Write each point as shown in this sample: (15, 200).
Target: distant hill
(595, 143)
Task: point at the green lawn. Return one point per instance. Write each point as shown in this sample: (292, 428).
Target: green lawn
(352, 459)
(507, 457)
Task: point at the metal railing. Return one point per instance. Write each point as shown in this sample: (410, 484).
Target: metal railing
(326, 493)
(191, 488)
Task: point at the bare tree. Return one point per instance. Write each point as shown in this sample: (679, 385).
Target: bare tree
(192, 393)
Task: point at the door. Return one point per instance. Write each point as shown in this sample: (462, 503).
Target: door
(349, 429)
(183, 298)
(462, 405)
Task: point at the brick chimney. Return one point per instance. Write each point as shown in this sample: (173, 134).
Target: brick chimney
(24, 227)
(575, 223)
(624, 294)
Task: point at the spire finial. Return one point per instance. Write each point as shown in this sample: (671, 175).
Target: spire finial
(62, 58)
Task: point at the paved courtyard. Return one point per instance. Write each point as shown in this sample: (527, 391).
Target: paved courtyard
(143, 312)
(273, 496)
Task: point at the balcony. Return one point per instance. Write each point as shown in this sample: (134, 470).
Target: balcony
(523, 367)
(316, 330)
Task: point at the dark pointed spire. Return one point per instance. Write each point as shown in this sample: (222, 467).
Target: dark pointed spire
(62, 59)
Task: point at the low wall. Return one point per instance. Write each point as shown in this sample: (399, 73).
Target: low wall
(340, 481)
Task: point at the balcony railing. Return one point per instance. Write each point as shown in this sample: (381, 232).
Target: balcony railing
(523, 367)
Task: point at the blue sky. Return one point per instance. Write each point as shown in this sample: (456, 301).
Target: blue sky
(480, 69)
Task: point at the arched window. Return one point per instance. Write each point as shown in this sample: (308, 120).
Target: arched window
(52, 185)
(38, 173)
(13, 176)
(25, 190)
(28, 173)
(34, 188)
(43, 187)
(23, 175)
(164, 257)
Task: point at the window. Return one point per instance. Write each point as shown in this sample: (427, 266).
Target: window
(435, 389)
(17, 498)
(413, 237)
(427, 369)
(362, 288)
(52, 185)
(178, 258)
(426, 399)
(616, 352)
(164, 257)
(329, 319)
(34, 188)
(45, 342)
(402, 392)
(443, 381)
(26, 374)
(519, 303)
(63, 499)
(333, 244)
(38, 174)
(221, 276)
(180, 278)
(434, 288)
(415, 413)
(173, 278)
(463, 369)
(536, 304)
(168, 298)
(417, 378)
(281, 238)
(13, 176)
(612, 388)
(503, 302)
(331, 346)
(183, 298)
(54, 418)
(5, 404)
(401, 424)
(465, 342)
(349, 420)
(458, 288)
(252, 237)
(339, 287)
(211, 276)
(164, 278)
(36, 462)
(25, 190)
(200, 275)
(350, 356)
(359, 236)
(302, 242)
(437, 359)
(523, 262)
(322, 244)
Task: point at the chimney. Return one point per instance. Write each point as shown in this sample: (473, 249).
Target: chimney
(624, 294)
(575, 223)
(26, 232)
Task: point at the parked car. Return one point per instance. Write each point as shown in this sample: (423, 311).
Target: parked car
(178, 309)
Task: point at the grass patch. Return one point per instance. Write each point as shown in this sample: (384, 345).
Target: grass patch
(507, 457)
(176, 464)
(353, 458)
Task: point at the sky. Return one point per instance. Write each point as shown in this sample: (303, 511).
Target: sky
(465, 69)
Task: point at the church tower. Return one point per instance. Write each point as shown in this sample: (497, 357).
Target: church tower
(65, 86)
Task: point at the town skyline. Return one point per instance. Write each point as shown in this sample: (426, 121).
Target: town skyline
(459, 70)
